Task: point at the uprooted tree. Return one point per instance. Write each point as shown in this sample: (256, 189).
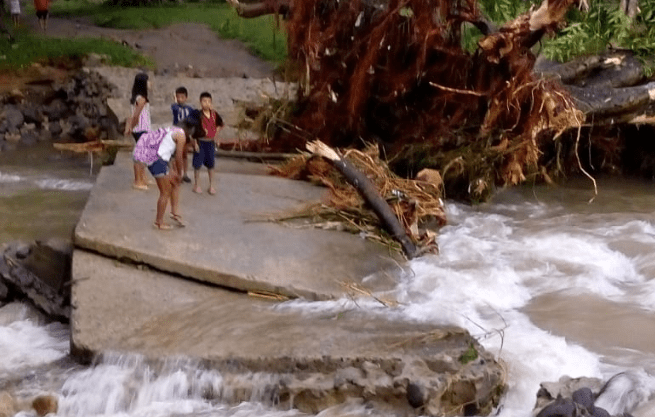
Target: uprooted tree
(395, 73)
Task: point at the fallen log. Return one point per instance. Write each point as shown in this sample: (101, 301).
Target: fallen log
(368, 192)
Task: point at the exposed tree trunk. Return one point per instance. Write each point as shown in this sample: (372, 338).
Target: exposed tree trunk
(630, 8)
(370, 194)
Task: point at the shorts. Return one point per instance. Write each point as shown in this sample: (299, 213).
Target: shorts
(159, 168)
(42, 14)
(137, 135)
(206, 154)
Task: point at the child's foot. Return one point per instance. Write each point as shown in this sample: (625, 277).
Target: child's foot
(197, 190)
(186, 178)
(211, 191)
(162, 226)
(140, 186)
(177, 218)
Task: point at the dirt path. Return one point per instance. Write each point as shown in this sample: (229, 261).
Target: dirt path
(187, 48)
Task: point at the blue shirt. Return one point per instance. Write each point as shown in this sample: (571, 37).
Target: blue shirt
(180, 112)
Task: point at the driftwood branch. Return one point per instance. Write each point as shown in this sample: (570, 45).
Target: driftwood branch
(369, 193)
(250, 10)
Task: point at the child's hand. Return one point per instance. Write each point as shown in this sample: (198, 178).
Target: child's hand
(196, 148)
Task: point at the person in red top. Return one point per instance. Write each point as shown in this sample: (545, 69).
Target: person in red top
(205, 149)
(42, 10)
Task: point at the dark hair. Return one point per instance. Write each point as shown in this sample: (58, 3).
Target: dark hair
(205, 94)
(192, 125)
(140, 87)
(182, 90)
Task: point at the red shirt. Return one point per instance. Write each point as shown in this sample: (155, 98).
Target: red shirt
(41, 5)
(210, 124)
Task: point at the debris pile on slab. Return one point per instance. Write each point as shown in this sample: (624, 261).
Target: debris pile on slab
(416, 203)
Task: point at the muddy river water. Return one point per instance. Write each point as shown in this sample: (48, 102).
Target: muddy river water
(552, 284)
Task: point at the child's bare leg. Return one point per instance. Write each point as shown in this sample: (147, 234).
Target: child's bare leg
(210, 174)
(196, 181)
(140, 176)
(175, 198)
(164, 185)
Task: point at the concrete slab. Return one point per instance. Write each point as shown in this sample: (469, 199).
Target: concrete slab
(221, 244)
(313, 359)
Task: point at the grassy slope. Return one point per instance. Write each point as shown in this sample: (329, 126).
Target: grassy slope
(262, 35)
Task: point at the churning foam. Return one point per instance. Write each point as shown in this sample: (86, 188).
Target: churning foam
(63, 184)
(9, 178)
(25, 343)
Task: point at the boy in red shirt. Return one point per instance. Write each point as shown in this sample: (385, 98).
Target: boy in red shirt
(205, 153)
(42, 10)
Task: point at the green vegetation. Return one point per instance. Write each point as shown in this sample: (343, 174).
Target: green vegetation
(35, 47)
(262, 35)
(585, 33)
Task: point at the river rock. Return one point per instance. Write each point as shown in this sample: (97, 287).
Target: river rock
(29, 138)
(7, 405)
(49, 259)
(54, 128)
(13, 116)
(45, 404)
(56, 110)
(31, 114)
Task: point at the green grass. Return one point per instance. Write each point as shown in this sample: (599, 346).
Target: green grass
(31, 47)
(262, 35)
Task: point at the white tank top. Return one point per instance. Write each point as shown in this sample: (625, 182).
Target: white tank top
(167, 146)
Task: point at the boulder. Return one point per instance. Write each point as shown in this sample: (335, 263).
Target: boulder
(45, 404)
(31, 114)
(13, 116)
(50, 260)
(7, 405)
(55, 110)
(54, 128)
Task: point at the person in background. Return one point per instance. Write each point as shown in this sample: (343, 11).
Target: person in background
(181, 111)
(14, 7)
(139, 123)
(42, 8)
(205, 154)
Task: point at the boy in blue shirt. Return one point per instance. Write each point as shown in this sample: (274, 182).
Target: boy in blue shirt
(180, 112)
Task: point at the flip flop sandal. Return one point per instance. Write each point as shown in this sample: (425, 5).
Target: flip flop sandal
(212, 191)
(162, 226)
(139, 187)
(178, 219)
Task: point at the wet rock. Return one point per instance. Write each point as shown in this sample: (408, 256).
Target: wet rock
(416, 395)
(22, 250)
(31, 114)
(56, 110)
(4, 291)
(7, 405)
(13, 116)
(45, 404)
(54, 128)
(49, 258)
(29, 138)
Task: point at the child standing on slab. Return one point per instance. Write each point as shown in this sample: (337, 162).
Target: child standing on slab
(205, 153)
(139, 123)
(155, 149)
(181, 111)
